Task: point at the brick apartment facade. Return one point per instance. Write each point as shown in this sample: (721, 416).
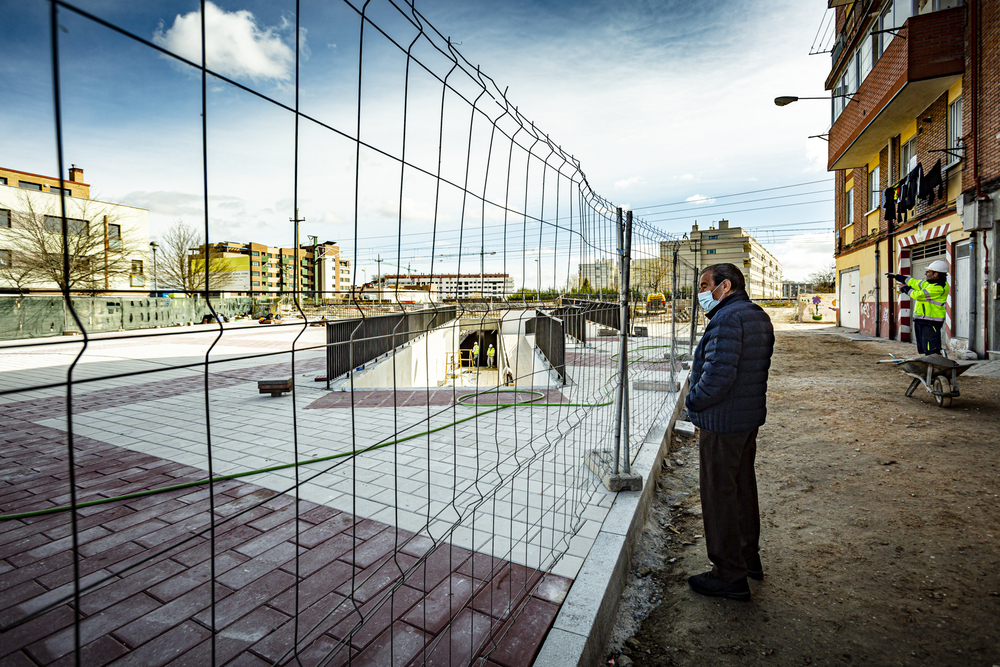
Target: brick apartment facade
(916, 82)
(259, 269)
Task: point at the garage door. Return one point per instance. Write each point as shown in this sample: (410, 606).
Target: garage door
(922, 255)
(850, 302)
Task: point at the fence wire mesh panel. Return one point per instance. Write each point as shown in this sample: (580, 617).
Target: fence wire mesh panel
(207, 478)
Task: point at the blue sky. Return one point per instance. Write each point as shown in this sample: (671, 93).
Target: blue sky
(661, 102)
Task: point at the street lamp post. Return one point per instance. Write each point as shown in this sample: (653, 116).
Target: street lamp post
(153, 245)
(785, 100)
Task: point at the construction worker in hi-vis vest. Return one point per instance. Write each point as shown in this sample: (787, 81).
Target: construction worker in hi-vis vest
(475, 354)
(490, 354)
(930, 296)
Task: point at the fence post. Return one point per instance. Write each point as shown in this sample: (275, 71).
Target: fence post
(694, 310)
(621, 398)
(673, 319)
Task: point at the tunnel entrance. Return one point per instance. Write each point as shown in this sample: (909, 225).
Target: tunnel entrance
(442, 357)
(485, 338)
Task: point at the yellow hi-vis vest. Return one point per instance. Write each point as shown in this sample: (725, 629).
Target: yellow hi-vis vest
(930, 298)
(491, 351)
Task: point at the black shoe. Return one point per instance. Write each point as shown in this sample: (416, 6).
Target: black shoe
(708, 584)
(755, 570)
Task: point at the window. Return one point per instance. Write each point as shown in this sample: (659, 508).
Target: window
(115, 236)
(28, 185)
(54, 190)
(255, 283)
(710, 252)
(713, 237)
(885, 22)
(908, 156)
(255, 253)
(5, 218)
(137, 266)
(864, 59)
(932, 249)
(5, 258)
(746, 263)
(74, 227)
(3, 180)
(254, 263)
(874, 192)
(955, 129)
(255, 273)
(849, 208)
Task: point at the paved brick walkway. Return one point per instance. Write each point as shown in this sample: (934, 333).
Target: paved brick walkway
(387, 398)
(368, 592)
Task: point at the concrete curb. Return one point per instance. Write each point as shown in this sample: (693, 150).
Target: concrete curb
(583, 626)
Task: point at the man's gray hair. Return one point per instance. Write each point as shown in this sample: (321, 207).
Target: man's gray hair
(728, 272)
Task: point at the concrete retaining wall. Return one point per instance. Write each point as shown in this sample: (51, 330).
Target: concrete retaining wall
(417, 363)
(39, 316)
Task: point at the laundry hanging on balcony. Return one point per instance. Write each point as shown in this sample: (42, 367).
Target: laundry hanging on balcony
(929, 183)
(899, 199)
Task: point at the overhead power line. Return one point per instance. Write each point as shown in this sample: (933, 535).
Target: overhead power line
(735, 194)
(757, 208)
(745, 201)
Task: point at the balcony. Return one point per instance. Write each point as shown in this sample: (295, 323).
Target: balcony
(912, 73)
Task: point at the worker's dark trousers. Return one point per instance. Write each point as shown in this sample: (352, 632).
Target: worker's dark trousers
(729, 501)
(928, 335)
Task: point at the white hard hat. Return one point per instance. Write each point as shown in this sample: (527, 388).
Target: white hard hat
(938, 265)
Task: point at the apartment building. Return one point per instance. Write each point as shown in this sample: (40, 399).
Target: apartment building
(242, 269)
(602, 274)
(457, 286)
(915, 149)
(722, 244)
(108, 243)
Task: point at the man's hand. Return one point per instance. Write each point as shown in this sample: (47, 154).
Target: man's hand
(898, 277)
(905, 289)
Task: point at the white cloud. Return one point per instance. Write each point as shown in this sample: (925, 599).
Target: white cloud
(626, 182)
(816, 154)
(700, 199)
(685, 177)
(236, 45)
(804, 254)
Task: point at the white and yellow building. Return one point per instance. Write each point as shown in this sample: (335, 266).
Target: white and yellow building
(903, 112)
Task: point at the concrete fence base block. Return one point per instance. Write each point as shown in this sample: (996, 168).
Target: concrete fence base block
(657, 385)
(601, 463)
(582, 628)
(684, 428)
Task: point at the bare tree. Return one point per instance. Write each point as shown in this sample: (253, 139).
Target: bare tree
(650, 276)
(18, 271)
(181, 244)
(101, 250)
(825, 279)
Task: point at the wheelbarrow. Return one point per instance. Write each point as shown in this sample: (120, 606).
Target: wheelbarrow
(938, 374)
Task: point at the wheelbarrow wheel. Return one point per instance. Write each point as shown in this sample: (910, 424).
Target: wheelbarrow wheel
(942, 386)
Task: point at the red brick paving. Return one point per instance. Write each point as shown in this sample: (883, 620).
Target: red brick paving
(87, 400)
(363, 590)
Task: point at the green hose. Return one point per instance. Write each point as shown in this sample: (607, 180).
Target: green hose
(284, 466)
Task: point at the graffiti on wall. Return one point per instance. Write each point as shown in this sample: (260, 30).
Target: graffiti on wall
(869, 313)
(820, 308)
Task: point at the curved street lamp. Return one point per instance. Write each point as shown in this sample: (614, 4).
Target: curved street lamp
(785, 100)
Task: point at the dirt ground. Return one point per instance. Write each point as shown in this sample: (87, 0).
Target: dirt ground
(879, 530)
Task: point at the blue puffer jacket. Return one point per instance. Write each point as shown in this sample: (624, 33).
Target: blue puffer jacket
(729, 374)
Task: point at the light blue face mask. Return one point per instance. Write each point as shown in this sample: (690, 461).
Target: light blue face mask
(707, 300)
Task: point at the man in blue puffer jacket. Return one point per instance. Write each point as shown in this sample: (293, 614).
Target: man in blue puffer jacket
(727, 401)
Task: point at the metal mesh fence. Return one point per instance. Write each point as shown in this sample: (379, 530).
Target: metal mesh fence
(427, 500)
